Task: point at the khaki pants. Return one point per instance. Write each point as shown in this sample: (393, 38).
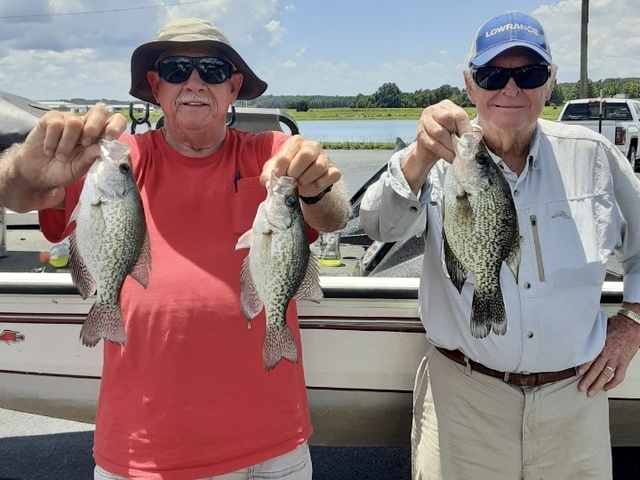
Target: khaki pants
(470, 426)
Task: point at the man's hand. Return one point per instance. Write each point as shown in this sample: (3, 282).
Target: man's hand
(56, 153)
(609, 368)
(307, 162)
(433, 140)
(62, 146)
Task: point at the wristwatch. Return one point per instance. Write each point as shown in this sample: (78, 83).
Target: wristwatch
(630, 315)
(317, 198)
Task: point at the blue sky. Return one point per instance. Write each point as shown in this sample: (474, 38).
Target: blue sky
(52, 49)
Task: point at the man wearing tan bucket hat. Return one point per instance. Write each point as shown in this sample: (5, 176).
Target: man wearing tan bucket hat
(187, 396)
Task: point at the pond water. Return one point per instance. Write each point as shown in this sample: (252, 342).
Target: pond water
(359, 130)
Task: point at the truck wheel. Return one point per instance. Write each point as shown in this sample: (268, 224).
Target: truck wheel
(632, 158)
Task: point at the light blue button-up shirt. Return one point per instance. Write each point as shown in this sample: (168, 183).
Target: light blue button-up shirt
(578, 201)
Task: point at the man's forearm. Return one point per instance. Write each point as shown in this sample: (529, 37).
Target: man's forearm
(415, 170)
(332, 212)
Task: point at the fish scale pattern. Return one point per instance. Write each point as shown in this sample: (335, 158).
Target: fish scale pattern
(480, 232)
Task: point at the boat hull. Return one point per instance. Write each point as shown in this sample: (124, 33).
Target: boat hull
(362, 345)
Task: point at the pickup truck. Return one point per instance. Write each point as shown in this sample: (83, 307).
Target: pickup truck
(618, 119)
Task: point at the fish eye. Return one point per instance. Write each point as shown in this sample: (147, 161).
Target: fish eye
(482, 158)
(290, 200)
(123, 167)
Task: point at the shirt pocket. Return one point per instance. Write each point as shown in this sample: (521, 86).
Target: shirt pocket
(570, 243)
(248, 193)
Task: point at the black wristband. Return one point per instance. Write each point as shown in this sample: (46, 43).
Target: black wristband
(317, 198)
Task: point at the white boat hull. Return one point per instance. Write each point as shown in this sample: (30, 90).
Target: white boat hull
(362, 345)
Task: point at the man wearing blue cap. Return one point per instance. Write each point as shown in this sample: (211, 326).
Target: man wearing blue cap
(528, 401)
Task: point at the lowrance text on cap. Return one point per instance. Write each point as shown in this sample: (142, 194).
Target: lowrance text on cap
(513, 29)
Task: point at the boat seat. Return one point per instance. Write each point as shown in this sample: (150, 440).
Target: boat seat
(256, 120)
(18, 116)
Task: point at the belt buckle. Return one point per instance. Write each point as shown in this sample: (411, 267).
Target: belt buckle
(520, 380)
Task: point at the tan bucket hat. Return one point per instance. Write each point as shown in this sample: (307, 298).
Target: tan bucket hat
(188, 32)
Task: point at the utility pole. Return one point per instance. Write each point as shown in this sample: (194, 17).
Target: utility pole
(584, 41)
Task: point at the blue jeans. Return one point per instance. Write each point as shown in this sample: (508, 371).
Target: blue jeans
(295, 465)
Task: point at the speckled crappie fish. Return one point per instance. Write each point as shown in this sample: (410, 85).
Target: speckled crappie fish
(279, 267)
(110, 241)
(480, 230)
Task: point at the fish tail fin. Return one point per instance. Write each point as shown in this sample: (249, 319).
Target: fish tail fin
(103, 322)
(279, 344)
(488, 313)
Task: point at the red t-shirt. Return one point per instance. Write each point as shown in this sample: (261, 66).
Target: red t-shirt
(188, 396)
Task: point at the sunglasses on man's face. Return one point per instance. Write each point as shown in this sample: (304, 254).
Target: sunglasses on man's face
(526, 77)
(178, 69)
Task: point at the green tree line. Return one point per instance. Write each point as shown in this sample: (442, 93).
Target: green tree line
(389, 95)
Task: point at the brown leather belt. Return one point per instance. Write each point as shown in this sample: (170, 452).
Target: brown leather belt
(529, 380)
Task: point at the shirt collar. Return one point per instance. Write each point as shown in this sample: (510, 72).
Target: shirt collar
(533, 159)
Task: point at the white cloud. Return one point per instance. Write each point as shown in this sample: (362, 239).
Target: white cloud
(63, 56)
(613, 35)
(275, 33)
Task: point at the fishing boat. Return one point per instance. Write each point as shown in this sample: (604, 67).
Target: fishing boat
(362, 345)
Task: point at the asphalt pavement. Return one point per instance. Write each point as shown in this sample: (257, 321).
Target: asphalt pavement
(33, 447)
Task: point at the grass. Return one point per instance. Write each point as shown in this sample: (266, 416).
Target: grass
(548, 112)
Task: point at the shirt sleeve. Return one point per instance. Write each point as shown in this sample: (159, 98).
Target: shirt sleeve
(55, 223)
(389, 210)
(627, 193)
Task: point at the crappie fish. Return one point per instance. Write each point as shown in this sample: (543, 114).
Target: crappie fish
(480, 230)
(279, 267)
(110, 241)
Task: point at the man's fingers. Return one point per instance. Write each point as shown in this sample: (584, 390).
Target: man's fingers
(49, 128)
(435, 127)
(70, 136)
(96, 121)
(304, 160)
(116, 125)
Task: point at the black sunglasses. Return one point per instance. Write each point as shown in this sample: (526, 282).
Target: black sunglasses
(178, 69)
(527, 77)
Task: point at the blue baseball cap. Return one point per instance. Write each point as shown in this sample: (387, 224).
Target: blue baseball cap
(512, 29)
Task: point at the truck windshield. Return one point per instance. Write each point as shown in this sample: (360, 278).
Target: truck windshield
(590, 111)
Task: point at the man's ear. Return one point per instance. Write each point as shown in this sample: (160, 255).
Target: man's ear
(470, 86)
(236, 83)
(153, 79)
